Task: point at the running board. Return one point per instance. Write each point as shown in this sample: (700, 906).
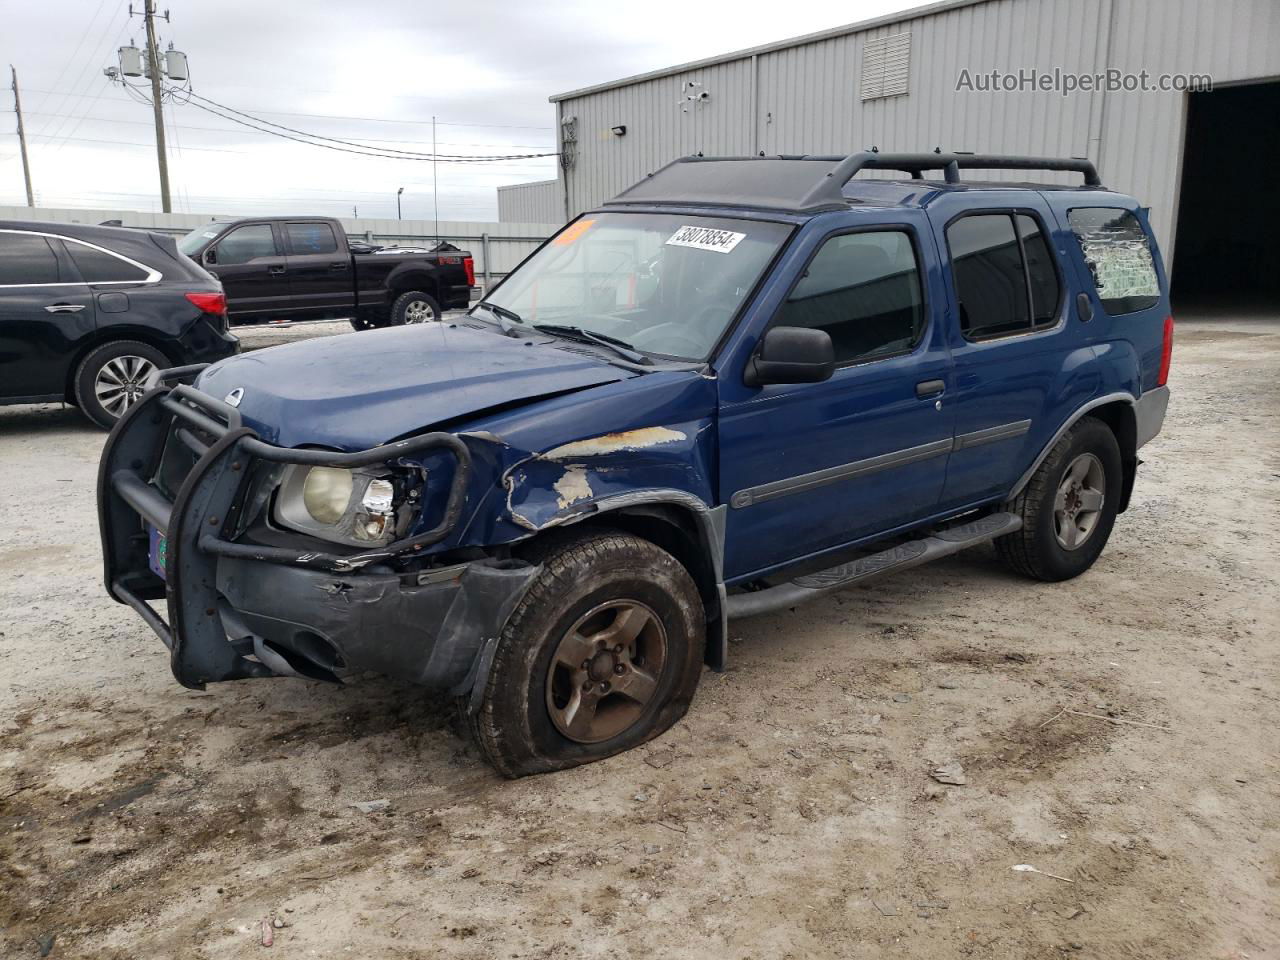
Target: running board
(940, 544)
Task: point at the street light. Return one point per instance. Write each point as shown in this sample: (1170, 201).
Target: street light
(398, 192)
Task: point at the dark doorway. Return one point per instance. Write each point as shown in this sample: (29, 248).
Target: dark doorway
(1227, 247)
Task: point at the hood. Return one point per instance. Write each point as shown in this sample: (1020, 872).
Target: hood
(362, 389)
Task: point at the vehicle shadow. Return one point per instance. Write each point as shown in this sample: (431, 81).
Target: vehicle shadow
(45, 418)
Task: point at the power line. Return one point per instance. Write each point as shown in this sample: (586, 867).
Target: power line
(345, 147)
(186, 126)
(335, 116)
(207, 102)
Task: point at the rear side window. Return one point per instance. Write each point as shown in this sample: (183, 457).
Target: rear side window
(1005, 277)
(97, 266)
(26, 258)
(864, 290)
(247, 243)
(1118, 252)
(311, 238)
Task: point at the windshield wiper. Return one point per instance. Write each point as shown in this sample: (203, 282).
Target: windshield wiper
(505, 317)
(620, 347)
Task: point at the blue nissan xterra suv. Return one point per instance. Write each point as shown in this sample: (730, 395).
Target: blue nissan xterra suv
(741, 384)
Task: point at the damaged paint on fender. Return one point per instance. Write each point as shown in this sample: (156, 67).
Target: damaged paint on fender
(614, 442)
(572, 487)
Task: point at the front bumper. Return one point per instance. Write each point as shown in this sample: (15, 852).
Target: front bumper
(238, 609)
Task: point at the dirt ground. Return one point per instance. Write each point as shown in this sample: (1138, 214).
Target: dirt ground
(792, 814)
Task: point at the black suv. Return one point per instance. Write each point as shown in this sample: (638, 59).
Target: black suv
(89, 314)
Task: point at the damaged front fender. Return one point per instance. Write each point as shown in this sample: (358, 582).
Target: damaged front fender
(571, 481)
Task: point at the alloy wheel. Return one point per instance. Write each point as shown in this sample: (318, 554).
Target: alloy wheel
(1077, 506)
(418, 311)
(605, 671)
(122, 381)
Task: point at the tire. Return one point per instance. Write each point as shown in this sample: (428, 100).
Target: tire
(1061, 534)
(362, 323)
(413, 306)
(112, 377)
(595, 582)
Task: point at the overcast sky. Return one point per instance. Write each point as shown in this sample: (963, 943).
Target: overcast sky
(374, 71)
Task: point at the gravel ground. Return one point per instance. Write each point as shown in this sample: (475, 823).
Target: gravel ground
(792, 814)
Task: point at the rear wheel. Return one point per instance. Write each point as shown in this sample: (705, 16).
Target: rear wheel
(602, 653)
(113, 377)
(414, 306)
(1069, 506)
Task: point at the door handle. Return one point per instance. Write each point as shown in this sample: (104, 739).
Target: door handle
(277, 270)
(65, 307)
(930, 388)
(338, 266)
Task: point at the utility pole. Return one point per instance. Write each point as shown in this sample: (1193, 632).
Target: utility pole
(435, 188)
(153, 65)
(398, 193)
(22, 137)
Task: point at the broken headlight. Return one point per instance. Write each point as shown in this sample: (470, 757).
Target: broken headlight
(363, 507)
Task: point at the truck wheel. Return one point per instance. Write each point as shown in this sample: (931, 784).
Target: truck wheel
(602, 653)
(414, 306)
(1069, 507)
(114, 376)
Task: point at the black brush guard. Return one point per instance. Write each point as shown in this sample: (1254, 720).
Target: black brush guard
(195, 524)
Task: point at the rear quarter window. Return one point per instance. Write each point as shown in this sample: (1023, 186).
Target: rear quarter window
(97, 266)
(1118, 253)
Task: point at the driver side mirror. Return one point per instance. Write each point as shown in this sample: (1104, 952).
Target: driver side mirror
(210, 256)
(791, 355)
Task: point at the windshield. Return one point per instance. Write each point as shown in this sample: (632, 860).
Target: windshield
(664, 283)
(198, 238)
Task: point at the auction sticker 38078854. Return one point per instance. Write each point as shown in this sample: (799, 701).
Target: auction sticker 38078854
(706, 238)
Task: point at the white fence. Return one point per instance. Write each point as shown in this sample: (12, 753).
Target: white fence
(497, 247)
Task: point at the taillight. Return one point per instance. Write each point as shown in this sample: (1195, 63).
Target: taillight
(469, 265)
(215, 303)
(1166, 354)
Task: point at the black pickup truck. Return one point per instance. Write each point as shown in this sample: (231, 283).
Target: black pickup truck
(301, 268)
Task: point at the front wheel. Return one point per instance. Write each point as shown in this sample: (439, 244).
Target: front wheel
(1069, 506)
(602, 653)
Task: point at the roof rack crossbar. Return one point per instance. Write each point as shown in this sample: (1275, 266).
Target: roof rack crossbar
(830, 188)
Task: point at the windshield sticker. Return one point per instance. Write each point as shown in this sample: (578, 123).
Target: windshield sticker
(569, 234)
(706, 238)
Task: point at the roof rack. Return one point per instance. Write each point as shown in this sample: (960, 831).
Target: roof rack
(808, 184)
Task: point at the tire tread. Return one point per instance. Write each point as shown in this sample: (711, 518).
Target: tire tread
(562, 556)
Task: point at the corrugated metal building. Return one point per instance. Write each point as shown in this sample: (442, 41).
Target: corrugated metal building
(899, 82)
(541, 201)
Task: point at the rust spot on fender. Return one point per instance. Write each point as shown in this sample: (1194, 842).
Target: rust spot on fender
(615, 442)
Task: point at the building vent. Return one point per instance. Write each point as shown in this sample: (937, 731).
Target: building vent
(886, 62)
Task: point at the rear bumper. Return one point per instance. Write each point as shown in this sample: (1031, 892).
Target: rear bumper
(209, 342)
(1149, 414)
(456, 297)
(237, 609)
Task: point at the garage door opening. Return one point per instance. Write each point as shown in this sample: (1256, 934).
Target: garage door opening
(1227, 248)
